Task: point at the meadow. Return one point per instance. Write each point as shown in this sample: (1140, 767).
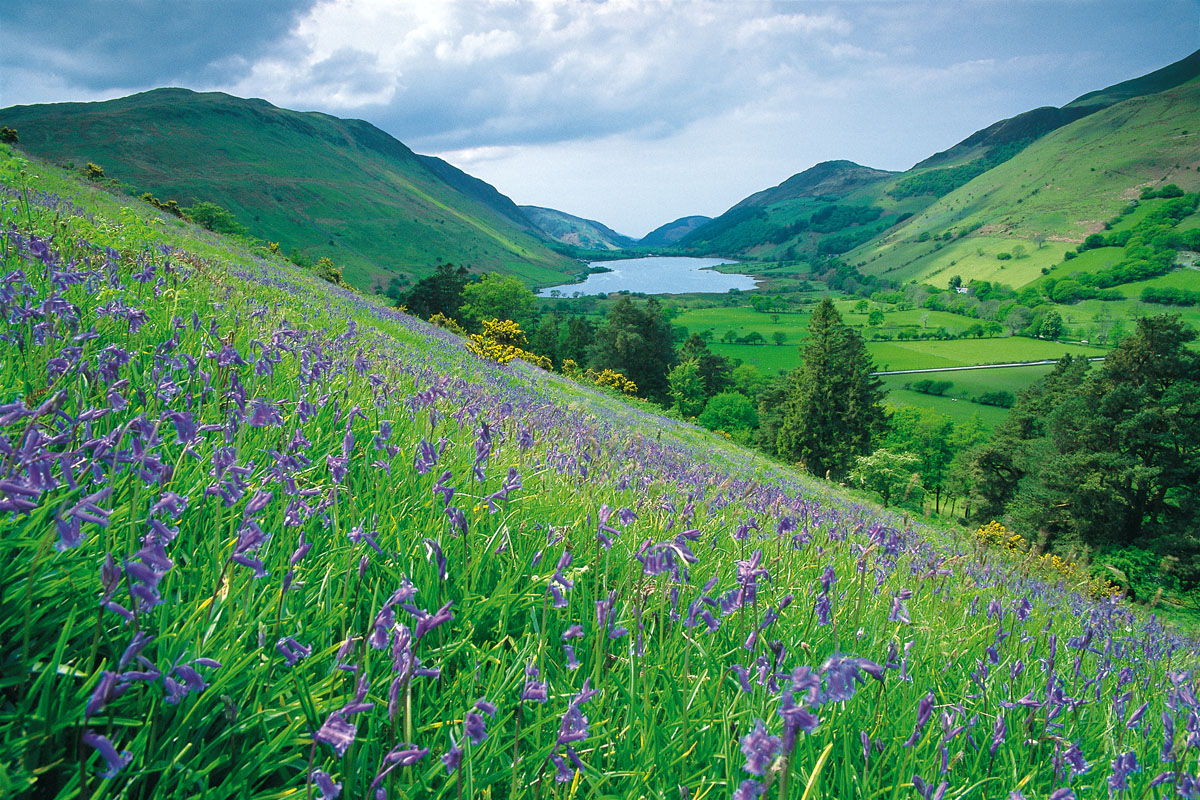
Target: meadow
(265, 538)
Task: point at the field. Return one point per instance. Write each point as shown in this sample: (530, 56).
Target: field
(967, 384)
(269, 539)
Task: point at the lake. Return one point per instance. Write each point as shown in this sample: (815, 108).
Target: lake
(657, 275)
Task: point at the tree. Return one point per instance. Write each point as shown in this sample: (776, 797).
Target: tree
(497, 296)
(686, 387)
(955, 282)
(890, 474)
(772, 401)
(1052, 325)
(1107, 457)
(731, 412)
(214, 218)
(95, 172)
(875, 318)
(439, 293)
(577, 340)
(8, 135)
(926, 434)
(635, 340)
(833, 412)
(780, 338)
(715, 371)
(1018, 319)
(748, 379)
(545, 337)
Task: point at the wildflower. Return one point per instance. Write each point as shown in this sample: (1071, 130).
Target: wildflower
(452, 758)
(292, 651)
(115, 761)
(748, 790)
(337, 732)
(1123, 766)
(325, 785)
(534, 690)
(924, 711)
(760, 749)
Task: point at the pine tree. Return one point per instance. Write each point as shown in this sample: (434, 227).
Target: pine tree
(833, 410)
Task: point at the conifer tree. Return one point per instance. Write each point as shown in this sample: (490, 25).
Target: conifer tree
(833, 410)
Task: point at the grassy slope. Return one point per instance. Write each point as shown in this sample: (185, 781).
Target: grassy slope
(323, 185)
(668, 710)
(1063, 187)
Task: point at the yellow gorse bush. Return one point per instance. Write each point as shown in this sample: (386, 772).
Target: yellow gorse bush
(502, 341)
(611, 379)
(996, 536)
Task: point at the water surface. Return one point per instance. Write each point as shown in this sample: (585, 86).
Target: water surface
(656, 275)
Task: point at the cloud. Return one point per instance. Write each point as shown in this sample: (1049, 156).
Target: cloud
(477, 72)
(96, 45)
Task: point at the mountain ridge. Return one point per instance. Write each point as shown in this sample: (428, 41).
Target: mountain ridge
(319, 184)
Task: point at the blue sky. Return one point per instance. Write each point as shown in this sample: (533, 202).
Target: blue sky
(632, 112)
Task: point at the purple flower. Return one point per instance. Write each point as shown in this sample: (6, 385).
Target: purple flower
(452, 758)
(109, 689)
(1123, 766)
(325, 785)
(115, 761)
(292, 651)
(760, 749)
(475, 727)
(924, 712)
(998, 733)
(748, 790)
(572, 662)
(536, 691)
(337, 732)
(405, 755)
(1074, 757)
(264, 415)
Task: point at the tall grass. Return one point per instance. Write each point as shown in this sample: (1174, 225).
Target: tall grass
(264, 538)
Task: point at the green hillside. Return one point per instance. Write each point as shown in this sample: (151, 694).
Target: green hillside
(839, 207)
(319, 185)
(1049, 197)
(576, 231)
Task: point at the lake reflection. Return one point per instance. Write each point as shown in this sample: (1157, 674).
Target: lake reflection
(657, 275)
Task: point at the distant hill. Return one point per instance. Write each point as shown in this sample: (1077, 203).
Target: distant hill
(1048, 197)
(576, 231)
(839, 207)
(672, 232)
(319, 185)
(810, 212)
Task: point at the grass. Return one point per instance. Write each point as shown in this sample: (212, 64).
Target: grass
(220, 657)
(956, 410)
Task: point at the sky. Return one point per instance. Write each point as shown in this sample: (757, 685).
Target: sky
(630, 112)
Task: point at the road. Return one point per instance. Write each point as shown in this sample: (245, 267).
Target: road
(977, 366)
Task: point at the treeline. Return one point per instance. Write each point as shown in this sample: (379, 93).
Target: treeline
(1105, 458)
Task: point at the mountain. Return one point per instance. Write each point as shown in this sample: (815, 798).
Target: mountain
(827, 208)
(1054, 193)
(837, 207)
(319, 185)
(576, 231)
(672, 232)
